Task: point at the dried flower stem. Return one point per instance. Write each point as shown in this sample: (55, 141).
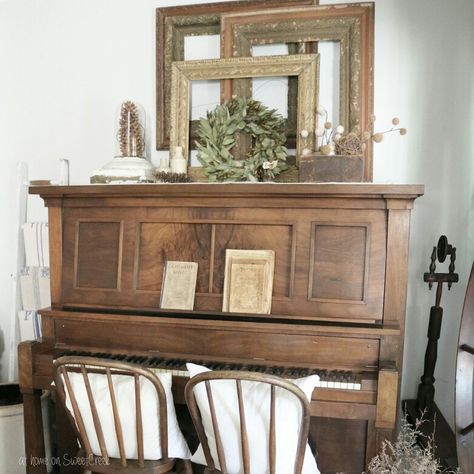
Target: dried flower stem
(406, 456)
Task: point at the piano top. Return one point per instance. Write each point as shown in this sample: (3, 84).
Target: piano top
(369, 190)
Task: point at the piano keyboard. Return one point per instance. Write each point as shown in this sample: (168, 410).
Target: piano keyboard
(332, 379)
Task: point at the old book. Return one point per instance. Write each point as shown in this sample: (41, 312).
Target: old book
(179, 285)
(248, 281)
(35, 236)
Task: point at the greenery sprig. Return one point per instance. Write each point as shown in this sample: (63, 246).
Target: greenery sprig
(217, 137)
(405, 455)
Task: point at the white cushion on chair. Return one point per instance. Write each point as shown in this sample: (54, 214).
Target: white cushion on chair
(124, 388)
(257, 415)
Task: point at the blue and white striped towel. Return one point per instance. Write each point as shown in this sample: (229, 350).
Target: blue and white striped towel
(35, 288)
(29, 323)
(35, 235)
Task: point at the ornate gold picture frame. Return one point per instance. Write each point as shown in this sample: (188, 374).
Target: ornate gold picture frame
(304, 67)
(173, 24)
(350, 24)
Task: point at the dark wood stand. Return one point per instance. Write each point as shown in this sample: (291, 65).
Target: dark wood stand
(435, 427)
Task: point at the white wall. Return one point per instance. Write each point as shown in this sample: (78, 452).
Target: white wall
(67, 64)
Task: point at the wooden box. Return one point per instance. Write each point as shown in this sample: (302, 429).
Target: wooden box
(317, 168)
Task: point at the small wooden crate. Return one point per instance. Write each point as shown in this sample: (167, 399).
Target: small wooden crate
(317, 168)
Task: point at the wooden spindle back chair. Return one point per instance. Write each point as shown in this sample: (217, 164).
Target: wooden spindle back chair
(274, 382)
(104, 463)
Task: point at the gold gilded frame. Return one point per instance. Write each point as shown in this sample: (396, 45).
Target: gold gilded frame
(350, 24)
(173, 24)
(304, 66)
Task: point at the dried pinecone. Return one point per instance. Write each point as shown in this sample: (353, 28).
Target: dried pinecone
(163, 177)
(131, 131)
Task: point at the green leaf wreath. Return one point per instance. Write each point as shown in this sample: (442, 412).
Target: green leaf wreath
(217, 136)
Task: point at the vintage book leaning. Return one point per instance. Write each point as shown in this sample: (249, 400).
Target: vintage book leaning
(248, 281)
(179, 285)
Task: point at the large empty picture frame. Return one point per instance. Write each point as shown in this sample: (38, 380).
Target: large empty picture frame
(350, 25)
(173, 25)
(303, 66)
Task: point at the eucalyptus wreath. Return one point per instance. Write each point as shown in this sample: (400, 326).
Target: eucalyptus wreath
(217, 136)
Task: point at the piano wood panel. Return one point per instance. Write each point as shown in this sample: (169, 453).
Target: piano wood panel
(340, 439)
(339, 251)
(98, 255)
(158, 242)
(223, 340)
(323, 256)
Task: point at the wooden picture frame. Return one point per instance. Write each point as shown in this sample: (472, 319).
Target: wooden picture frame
(351, 24)
(248, 281)
(173, 24)
(303, 66)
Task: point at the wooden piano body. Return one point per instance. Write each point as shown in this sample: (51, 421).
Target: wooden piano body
(338, 302)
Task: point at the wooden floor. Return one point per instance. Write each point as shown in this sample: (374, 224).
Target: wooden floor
(444, 438)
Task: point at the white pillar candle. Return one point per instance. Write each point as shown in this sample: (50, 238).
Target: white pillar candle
(164, 163)
(64, 172)
(178, 165)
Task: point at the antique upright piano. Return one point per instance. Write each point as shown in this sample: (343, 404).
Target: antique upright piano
(338, 307)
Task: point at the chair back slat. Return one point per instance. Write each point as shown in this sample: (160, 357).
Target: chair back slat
(163, 413)
(274, 382)
(77, 413)
(117, 423)
(215, 426)
(95, 416)
(243, 429)
(301, 449)
(139, 422)
(196, 415)
(272, 436)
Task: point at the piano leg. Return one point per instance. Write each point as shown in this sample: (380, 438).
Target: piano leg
(371, 443)
(36, 462)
